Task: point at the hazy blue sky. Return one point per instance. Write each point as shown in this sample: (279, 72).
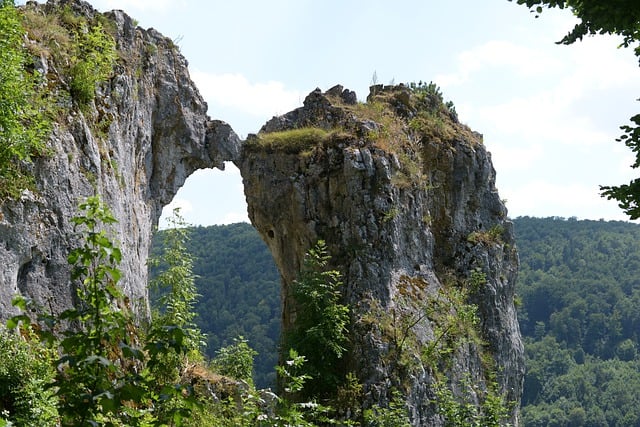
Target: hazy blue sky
(549, 114)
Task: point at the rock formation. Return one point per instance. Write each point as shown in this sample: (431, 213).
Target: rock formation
(146, 131)
(401, 192)
(405, 198)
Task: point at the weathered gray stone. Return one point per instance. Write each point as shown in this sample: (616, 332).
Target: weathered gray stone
(387, 228)
(158, 134)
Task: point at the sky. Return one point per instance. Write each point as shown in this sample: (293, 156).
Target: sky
(549, 113)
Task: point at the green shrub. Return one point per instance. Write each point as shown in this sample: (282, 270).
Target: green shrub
(25, 372)
(394, 415)
(106, 369)
(93, 62)
(100, 357)
(176, 282)
(293, 376)
(487, 237)
(87, 55)
(235, 360)
(464, 411)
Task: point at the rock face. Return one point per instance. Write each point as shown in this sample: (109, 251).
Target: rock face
(134, 145)
(404, 197)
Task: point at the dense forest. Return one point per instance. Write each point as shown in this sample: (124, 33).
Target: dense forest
(580, 317)
(579, 296)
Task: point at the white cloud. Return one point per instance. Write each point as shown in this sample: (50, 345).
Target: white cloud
(554, 88)
(598, 64)
(233, 217)
(184, 205)
(515, 157)
(593, 64)
(502, 54)
(263, 99)
(545, 116)
(542, 198)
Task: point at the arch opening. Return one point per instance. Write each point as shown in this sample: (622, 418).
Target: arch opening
(210, 197)
(237, 279)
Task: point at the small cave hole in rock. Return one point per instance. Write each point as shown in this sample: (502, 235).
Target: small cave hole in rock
(23, 273)
(236, 277)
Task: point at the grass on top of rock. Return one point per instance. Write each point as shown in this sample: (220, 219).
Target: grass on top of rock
(296, 141)
(407, 112)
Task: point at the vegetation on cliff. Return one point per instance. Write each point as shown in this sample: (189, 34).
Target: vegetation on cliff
(321, 322)
(389, 180)
(23, 123)
(237, 249)
(72, 51)
(402, 120)
(294, 141)
(65, 57)
(104, 367)
(95, 365)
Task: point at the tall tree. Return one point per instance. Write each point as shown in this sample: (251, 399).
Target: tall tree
(320, 329)
(616, 17)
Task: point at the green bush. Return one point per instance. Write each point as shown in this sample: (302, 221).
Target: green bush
(107, 368)
(395, 415)
(25, 372)
(235, 360)
(176, 283)
(93, 62)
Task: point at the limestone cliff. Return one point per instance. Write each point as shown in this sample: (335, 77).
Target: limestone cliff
(134, 145)
(405, 198)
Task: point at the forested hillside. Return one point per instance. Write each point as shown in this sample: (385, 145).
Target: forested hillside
(240, 292)
(580, 315)
(579, 287)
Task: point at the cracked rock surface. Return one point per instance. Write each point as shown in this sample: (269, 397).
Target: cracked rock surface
(397, 220)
